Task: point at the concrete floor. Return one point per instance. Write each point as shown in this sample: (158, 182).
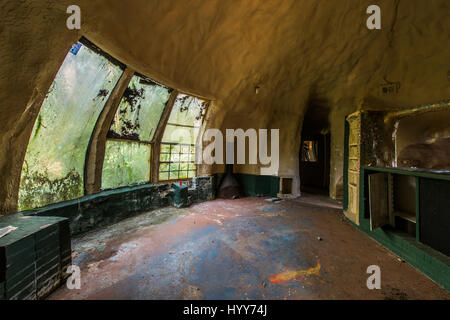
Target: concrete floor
(241, 249)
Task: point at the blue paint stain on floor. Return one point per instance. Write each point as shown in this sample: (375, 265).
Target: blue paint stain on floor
(234, 255)
(224, 262)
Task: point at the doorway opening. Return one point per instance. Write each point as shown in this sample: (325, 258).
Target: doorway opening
(315, 150)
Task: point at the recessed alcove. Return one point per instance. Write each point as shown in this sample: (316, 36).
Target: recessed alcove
(423, 140)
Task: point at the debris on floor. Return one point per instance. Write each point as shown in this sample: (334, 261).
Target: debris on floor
(275, 200)
(192, 293)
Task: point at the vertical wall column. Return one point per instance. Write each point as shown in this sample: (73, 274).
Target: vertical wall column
(14, 144)
(95, 154)
(353, 164)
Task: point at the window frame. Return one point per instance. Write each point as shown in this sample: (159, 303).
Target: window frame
(207, 104)
(99, 135)
(178, 162)
(156, 142)
(149, 160)
(74, 49)
(153, 142)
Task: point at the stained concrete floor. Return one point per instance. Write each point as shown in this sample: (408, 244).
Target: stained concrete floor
(241, 249)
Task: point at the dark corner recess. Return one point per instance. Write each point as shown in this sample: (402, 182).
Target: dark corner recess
(434, 208)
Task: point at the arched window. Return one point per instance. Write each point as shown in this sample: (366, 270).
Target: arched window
(53, 170)
(128, 149)
(54, 166)
(177, 157)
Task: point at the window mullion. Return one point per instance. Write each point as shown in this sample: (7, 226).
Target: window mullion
(97, 144)
(156, 141)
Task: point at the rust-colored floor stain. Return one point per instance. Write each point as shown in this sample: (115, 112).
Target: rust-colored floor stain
(295, 275)
(240, 249)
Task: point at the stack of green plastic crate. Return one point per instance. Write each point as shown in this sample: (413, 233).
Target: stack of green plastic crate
(65, 247)
(33, 256)
(2, 290)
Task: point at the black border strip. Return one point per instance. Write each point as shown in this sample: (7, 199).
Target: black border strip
(84, 41)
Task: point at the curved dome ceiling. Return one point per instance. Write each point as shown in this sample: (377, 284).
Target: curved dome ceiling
(293, 50)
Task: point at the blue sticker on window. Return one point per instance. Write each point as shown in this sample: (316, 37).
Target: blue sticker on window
(75, 48)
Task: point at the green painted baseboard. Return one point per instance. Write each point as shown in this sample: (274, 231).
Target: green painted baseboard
(255, 185)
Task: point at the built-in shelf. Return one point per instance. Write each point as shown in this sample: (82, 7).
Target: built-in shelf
(406, 215)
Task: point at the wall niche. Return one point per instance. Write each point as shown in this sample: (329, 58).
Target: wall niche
(423, 141)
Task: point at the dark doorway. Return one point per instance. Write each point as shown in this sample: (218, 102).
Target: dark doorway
(315, 151)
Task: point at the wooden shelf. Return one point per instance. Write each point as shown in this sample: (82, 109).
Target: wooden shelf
(405, 215)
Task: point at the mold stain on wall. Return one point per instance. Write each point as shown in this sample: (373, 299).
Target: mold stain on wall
(139, 111)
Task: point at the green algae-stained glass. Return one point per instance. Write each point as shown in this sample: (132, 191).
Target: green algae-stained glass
(179, 134)
(185, 120)
(126, 163)
(139, 111)
(53, 170)
(187, 111)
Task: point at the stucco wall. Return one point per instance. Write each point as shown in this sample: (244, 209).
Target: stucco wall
(221, 50)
